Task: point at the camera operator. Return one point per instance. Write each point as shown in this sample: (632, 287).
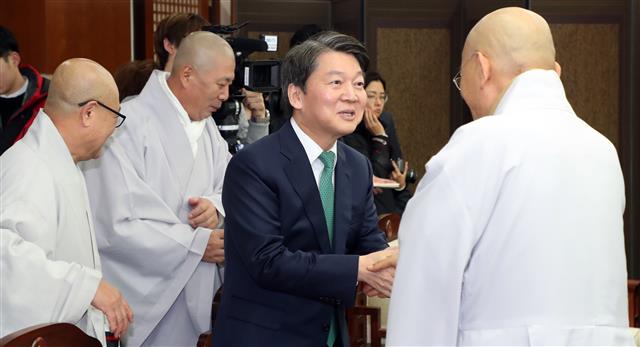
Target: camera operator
(376, 138)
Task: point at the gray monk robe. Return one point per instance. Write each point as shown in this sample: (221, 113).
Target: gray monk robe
(139, 190)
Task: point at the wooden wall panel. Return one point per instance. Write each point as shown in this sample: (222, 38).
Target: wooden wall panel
(28, 30)
(283, 15)
(50, 32)
(346, 17)
(590, 58)
(415, 64)
(98, 30)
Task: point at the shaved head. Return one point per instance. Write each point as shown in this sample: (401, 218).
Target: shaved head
(200, 50)
(515, 39)
(84, 128)
(501, 46)
(78, 80)
(202, 72)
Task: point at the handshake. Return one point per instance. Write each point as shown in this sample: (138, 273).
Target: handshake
(377, 271)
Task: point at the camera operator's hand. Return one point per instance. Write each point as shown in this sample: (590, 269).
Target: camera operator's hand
(373, 123)
(400, 176)
(203, 214)
(254, 102)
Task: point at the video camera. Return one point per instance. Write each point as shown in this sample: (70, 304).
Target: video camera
(259, 76)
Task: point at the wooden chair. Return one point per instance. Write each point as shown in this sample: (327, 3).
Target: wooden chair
(364, 318)
(390, 223)
(205, 339)
(50, 334)
(633, 287)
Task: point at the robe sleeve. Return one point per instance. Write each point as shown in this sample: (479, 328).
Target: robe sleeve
(36, 289)
(436, 241)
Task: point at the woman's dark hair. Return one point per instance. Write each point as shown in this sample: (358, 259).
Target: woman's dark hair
(131, 77)
(372, 76)
(174, 28)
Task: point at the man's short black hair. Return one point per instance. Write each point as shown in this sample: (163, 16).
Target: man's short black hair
(8, 42)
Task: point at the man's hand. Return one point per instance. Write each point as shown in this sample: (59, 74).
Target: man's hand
(109, 300)
(380, 281)
(214, 253)
(390, 261)
(254, 102)
(203, 213)
(373, 123)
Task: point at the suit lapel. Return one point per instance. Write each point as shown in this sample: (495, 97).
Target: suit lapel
(342, 202)
(300, 174)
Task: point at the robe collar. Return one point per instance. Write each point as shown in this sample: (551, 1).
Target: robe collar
(45, 139)
(534, 90)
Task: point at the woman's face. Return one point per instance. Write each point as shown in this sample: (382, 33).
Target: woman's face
(376, 97)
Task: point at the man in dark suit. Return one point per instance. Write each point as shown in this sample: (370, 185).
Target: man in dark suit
(300, 234)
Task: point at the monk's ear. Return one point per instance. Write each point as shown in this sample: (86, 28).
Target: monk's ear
(187, 75)
(295, 95)
(485, 68)
(558, 69)
(88, 113)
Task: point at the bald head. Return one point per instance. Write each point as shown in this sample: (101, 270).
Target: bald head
(75, 81)
(200, 50)
(515, 39)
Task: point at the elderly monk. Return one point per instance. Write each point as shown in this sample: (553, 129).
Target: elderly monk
(157, 196)
(507, 241)
(49, 260)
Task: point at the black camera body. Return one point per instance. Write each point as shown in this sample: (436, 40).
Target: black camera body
(259, 76)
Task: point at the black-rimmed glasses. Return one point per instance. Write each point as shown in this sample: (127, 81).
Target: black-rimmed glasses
(120, 115)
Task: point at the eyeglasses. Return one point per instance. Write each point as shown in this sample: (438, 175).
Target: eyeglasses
(120, 115)
(456, 80)
(382, 97)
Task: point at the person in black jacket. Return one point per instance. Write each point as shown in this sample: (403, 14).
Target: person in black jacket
(23, 92)
(376, 138)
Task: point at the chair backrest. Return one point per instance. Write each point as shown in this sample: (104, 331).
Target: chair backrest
(633, 287)
(390, 224)
(204, 340)
(51, 334)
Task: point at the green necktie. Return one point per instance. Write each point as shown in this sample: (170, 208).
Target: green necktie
(326, 195)
(326, 190)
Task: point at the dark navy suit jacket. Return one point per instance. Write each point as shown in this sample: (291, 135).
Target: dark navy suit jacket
(283, 279)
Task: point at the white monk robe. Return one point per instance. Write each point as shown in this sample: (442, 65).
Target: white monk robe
(139, 192)
(515, 234)
(50, 269)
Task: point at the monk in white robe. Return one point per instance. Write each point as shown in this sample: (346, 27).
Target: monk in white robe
(515, 235)
(156, 193)
(50, 268)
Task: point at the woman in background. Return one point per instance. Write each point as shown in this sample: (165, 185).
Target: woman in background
(375, 137)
